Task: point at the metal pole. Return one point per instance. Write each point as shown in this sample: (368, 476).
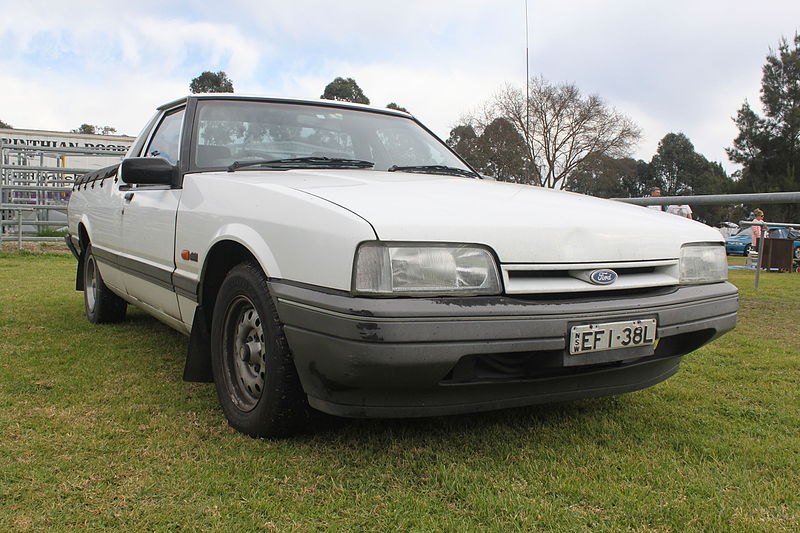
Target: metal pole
(760, 252)
(19, 229)
(718, 199)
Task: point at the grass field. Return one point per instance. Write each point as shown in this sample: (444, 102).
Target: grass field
(98, 432)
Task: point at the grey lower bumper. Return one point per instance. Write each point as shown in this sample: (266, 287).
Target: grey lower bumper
(363, 357)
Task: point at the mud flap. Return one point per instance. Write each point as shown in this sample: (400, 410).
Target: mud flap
(198, 356)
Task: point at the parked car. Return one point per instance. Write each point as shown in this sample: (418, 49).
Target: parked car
(335, 257)
(741, 242)
(728, 229)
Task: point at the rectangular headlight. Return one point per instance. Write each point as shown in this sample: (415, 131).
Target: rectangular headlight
(703, 263)
(409, 269)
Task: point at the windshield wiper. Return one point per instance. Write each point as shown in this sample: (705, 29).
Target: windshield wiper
(304, 162)
(435, 169)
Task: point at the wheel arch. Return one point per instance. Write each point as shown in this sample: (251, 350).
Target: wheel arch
(222, 256)
(220, 259)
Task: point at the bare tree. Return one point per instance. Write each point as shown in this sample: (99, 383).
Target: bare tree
(560, 128)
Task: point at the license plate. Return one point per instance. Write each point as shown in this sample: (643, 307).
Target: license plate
(612, 335)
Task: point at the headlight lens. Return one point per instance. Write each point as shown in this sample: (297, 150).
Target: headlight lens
(703, 263)
(424, 270)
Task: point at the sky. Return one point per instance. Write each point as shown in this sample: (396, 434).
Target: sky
(680, 66)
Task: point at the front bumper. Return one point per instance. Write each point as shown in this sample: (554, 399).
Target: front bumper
(407, 357)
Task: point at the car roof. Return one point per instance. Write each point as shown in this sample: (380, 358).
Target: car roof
(282, 99)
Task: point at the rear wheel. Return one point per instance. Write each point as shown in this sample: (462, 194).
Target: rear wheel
(102, 306)
(255, 377)
(746, 250)
(797, 252)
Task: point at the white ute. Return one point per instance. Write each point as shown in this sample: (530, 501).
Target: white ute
(325, 256)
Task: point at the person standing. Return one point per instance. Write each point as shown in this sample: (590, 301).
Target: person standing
(655, 192)
(757, 230)
(681, 210)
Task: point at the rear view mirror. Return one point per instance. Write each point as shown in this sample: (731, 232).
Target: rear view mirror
(148, 171)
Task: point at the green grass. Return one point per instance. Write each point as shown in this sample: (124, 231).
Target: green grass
(98, 432)
(48, 232)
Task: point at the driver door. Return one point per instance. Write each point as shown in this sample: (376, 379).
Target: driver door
(148, 226)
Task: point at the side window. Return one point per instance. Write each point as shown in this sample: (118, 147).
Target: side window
(166, 140)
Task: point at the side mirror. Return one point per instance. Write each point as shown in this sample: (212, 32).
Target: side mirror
(148, 171)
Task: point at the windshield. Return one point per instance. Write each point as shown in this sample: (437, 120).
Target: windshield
(231, 134)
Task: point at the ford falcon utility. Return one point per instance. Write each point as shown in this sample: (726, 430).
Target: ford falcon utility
(327, 256)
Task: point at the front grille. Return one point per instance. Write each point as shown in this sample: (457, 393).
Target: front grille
(574, 278)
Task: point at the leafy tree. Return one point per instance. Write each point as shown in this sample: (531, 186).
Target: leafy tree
(211, 82)
(94, 130)
(392, 105)
(464, 141)
(503, 151)
(6, 125)
(608, 177)
(85, 128)
(499, 151)
(768, 147)
(679, 170)
(676, 165)
(559, 128)
(344, 90)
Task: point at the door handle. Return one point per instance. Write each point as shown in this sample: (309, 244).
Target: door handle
(128, 196)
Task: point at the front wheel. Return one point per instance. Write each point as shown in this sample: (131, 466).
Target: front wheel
(102, 306)
(255, 377)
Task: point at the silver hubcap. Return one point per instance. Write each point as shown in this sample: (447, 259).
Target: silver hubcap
(245, 353)
(90, 283)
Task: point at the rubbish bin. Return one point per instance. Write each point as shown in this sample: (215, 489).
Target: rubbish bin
(778, 254)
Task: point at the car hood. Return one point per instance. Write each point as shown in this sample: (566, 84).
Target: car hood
(521, 223)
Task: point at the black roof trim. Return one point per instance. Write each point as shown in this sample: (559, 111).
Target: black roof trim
(99, 174)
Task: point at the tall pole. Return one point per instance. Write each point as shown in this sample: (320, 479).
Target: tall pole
(527, 87)
(527, 73)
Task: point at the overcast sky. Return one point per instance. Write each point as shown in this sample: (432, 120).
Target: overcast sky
(678, 66)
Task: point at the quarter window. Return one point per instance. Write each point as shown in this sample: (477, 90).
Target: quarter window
(166, 140)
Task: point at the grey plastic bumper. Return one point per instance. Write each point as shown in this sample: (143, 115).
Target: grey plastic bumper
(364, 357)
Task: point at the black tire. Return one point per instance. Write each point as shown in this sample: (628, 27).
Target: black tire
(102, 306)
(254, 374)
(797, 252)
(746, 250)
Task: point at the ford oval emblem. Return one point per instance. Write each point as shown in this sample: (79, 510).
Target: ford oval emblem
(604, 276)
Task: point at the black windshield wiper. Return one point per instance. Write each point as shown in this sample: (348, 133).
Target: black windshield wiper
(304, 162)
(435, 169)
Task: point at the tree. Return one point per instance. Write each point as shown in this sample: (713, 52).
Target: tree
(608, 177)
(211, 82)
(559, 128)
(503, 151)
(6, 125)
(345, 90)
(464, 141)
(94, 130)
(85, 128)
(768, 147)
(679, 170)
(392, 105)
(676, 165)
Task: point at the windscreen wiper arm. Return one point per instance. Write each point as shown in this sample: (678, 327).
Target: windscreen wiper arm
(304, 162)
(435, 169)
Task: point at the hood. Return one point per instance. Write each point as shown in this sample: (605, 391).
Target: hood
(521, 223)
